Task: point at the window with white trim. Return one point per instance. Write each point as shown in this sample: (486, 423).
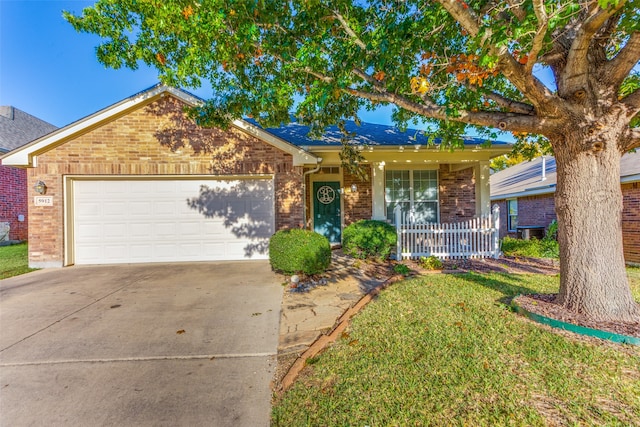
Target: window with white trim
(415, 191)
(512, 214)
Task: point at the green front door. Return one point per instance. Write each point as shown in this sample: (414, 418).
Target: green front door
(326, 210)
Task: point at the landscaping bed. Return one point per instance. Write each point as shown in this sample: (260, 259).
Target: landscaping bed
(543, 305)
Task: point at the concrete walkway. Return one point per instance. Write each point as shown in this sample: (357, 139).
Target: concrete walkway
(308, 315)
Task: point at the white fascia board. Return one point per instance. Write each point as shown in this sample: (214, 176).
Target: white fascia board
(300, 156)
(526, 193)
(630, 178)
(552, 189)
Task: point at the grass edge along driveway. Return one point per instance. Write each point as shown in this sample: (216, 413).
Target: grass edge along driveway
(446, 350)
(14, 260)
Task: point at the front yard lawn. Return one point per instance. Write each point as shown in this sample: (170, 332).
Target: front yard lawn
(446, 350)
(14, 260)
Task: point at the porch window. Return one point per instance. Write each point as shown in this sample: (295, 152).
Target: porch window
(415, 191)
(512, 214)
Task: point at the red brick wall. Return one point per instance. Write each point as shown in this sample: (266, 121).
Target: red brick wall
(457, 194)
(540, 210)
(502, 204)
(13, 200)
(532, 210)
(631, 222)
(156, 140)
(358, 205)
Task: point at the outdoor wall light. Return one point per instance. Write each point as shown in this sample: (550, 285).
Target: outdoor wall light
(354, 188)
(40, 187)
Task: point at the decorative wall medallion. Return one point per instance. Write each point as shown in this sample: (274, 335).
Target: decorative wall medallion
(326, 194)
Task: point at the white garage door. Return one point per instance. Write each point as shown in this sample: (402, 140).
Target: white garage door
(164, 220)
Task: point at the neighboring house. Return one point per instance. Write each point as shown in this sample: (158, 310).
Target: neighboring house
(140, 182)
(16, 129)
(525, 194)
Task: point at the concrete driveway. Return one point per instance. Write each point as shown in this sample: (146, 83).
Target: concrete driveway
(145, 345)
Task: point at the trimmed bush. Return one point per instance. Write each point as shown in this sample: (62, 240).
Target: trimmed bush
(299, 251)
(369, 238)
(534, 248)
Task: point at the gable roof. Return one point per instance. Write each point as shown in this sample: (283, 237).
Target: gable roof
(369, 134)
(17, 128)
(527, 178)
(25, 156)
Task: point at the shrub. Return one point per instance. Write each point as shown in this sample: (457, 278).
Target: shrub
(534, 248)
(401, 269)
(552, 230)
(430, 263)
(369, 238)
(299, 251)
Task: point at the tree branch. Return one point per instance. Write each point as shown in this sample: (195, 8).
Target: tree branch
(504, 121)
(524, 81)
(538, 39)
(632, 101)
(616, 70)
(577, 59)
(634, 140)
(349, 31)
(516, 9)
(510, 104)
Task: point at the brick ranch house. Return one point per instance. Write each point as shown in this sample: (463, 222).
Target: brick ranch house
(16, 129)
(525, 194)
(140, 182)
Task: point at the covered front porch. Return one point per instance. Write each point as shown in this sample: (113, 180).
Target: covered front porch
(433, 186)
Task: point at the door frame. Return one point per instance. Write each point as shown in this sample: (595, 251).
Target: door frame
(317, 177)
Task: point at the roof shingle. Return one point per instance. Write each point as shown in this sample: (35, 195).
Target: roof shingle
(18, 128)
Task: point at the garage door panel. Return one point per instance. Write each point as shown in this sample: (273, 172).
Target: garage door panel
(140, 252)
(115, 209)
(171, 220)
(88, 208)
(140, 230)
(138, 208)
(111, 250)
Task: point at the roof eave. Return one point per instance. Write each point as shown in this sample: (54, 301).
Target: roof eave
(411, 147)
(630, 178)
(517, 194)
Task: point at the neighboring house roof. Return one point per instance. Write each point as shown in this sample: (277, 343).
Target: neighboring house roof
(25, 155)
(527, 178)
(365, 134)
(17, 128)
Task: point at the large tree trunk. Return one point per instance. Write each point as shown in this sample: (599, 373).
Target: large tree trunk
(593, 279)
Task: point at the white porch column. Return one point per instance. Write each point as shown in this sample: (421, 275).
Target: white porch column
(483, 191)
(377, 187)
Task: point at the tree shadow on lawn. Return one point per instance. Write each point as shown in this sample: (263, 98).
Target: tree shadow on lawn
(509, 290)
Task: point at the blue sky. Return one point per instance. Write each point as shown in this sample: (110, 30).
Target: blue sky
(49, 70)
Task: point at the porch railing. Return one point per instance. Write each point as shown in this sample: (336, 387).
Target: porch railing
(475, 238)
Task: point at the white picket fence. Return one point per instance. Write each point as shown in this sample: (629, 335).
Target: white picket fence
(475, 238)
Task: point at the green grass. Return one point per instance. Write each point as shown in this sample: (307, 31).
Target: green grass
(446, 350)
(14, 260)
